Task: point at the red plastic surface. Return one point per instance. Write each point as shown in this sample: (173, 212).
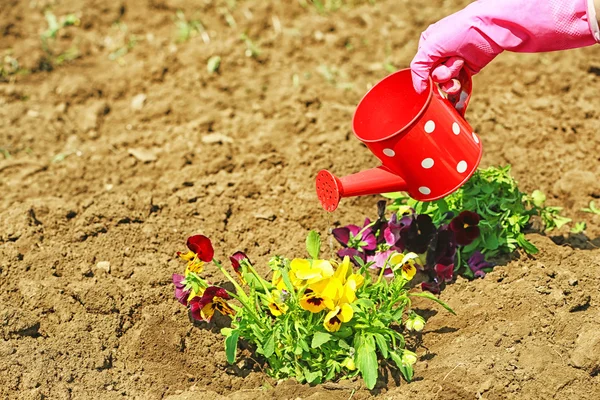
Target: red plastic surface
(423, 141)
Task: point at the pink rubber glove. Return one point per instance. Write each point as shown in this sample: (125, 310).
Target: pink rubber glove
(474, 36)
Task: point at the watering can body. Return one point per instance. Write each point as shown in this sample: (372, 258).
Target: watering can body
(425, 146)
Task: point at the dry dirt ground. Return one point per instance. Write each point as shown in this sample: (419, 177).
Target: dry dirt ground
(110, 159)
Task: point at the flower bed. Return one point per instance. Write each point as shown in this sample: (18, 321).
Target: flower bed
(318, 320)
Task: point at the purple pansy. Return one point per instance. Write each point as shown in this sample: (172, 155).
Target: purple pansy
(354, 241)
(442, 249)
(379, 260)
(180, 293)
(417, 234)
(478, 264)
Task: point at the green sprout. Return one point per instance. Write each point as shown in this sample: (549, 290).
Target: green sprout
(579, 227)
(591, 209)
(213, 64)
(187, 30)
(252, 49)
(54, 26)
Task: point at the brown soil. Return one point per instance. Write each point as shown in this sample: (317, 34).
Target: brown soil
(92, 177)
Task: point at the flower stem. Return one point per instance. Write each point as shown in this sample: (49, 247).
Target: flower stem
(241, 296)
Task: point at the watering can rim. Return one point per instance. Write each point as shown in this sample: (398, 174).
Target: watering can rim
(398, 132)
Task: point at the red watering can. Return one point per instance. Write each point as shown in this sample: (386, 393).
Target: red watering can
(422, 140)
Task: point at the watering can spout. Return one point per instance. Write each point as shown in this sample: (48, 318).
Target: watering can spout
(331, 189)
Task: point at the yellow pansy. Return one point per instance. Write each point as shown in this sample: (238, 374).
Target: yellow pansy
(315, 302)
(194, 264)
(277, 280)
(277, 304)
(335, 318)
(406, 263)
(303, 272)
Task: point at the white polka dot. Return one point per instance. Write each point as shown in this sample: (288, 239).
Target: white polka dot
(424, 190)
(475, 138)
(389, 152)
(427, 163)
(455, 128)
(429, 126)
(461, 167)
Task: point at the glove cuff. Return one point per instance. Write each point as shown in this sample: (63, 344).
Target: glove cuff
(593, 20)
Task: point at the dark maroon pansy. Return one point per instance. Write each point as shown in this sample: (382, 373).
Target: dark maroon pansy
(465, 226)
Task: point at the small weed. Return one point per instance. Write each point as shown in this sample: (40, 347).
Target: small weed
(591, 209)
(213, 64)
(252, 49)
(5, 153)
(579, 227)
(326, 6)
(10, 66)
(122, 44)
(54, 26)
(334, 76)
(187, 30)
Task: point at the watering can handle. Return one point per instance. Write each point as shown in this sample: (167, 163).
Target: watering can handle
(460, 100)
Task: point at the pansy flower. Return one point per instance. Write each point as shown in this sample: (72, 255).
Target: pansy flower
(277, 304)
(181, 294)
(396, 224)
(478, 264)
(444, 272)
(315, 302)
(236, 262)
(200, 252)
(306, 272)
(213, 298)
(433, 286)
(442, 249)
(466, 228)
(337, 316)
(355, 240)
(379, 261)
(417, 235)
(406, 263)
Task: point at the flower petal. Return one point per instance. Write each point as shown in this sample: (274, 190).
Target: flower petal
(202, 246)
(445, 272)
(346, 313)
(342, 235)
(236, 260)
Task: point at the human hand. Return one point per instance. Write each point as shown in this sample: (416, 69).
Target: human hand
(474, 36)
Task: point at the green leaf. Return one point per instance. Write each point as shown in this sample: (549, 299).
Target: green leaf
(405, 370)
(312, 377)
(430, 296)
(287, 281)
(490, 242)
(269, 346)
(313, 244)
(579, 227)
(231, 343)
(343, 344)
(320, 338)
(344, 332)
(538, 198)
(366, 360)
(365, 303)
(381, 344)
(527, 245)
(213, 64)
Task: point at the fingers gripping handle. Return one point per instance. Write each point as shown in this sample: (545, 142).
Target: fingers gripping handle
(460, 100)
